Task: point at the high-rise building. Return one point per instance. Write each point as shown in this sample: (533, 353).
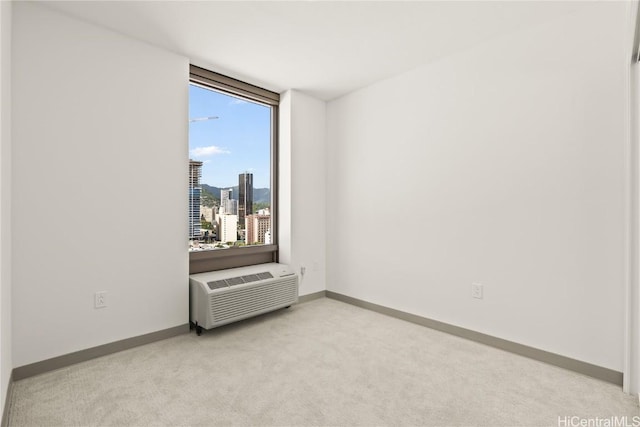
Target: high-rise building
(225, 195)
(245, 197)
(227, 204)
(206, 213)
(257, 227)
(232, 207)
(227, 228)
(195, 191)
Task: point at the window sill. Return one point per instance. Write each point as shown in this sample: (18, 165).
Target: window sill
(220, 259)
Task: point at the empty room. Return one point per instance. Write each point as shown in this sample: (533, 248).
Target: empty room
(319, 213)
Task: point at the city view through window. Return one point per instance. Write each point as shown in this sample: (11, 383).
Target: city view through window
(229, 171)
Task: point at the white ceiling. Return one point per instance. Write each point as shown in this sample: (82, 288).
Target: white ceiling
(323, 48)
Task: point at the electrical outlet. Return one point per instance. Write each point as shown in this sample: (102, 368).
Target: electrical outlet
(476, 290)
(303, 270)
(100, 299)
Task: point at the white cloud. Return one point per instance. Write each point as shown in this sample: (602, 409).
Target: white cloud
(237, 101)
(211, 150)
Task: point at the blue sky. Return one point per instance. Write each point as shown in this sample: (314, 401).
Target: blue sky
(238, 141)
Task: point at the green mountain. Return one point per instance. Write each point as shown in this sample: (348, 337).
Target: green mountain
(211, 195)
(208, 197)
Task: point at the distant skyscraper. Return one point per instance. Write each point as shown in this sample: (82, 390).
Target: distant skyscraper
(232, 206)
(227, 228)
(245, 196)
(195, 173)
(206, 213)
(225, 195)
(227, 204)
(257, 227)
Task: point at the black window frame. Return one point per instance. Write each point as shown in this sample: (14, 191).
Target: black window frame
(220, 259)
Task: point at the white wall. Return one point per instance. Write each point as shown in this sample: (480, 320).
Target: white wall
(506, 162)
(302, 187)
(285, 242)
(100, 134)
(5, 200)
(632, 381)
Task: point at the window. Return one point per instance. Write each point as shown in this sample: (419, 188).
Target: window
(232, 208)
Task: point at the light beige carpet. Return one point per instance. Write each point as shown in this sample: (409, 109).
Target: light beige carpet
(319, 363)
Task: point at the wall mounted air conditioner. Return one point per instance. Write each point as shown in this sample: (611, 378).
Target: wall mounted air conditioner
(220, 297)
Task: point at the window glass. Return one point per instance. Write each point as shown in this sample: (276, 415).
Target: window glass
(229, 170)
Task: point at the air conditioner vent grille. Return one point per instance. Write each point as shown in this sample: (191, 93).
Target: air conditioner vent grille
(265, 275)
(233, 281)
(250, 278)
(217, 284)
(242, 303)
